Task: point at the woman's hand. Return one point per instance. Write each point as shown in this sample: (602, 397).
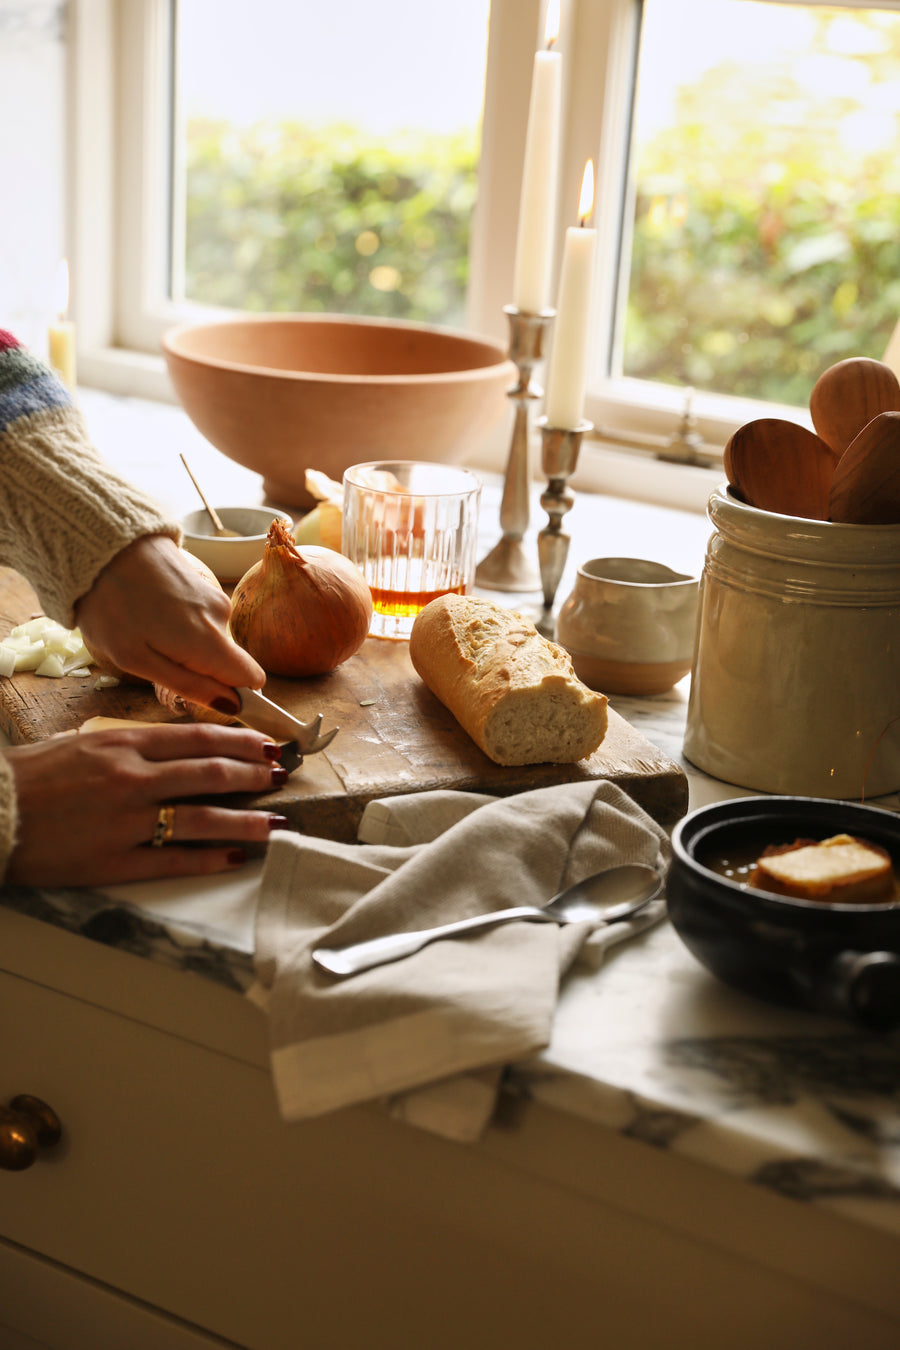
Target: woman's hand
(153, 614)
(89, 802)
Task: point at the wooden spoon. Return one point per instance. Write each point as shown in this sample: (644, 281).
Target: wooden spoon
(848, 395)
(780, 466)
(221, 530)
(866, 486)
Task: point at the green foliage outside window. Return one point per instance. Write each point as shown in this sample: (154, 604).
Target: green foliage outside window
(766, 247)
(281, 218)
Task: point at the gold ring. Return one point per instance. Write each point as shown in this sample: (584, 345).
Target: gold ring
(165, 826)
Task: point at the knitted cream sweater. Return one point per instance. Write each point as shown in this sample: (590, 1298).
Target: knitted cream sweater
(64, 513)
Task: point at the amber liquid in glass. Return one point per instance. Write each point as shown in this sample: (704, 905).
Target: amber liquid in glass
(407, 604)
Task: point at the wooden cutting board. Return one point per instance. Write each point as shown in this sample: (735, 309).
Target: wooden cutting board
(395, 736)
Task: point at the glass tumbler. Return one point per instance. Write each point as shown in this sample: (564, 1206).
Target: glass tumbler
(411, 528)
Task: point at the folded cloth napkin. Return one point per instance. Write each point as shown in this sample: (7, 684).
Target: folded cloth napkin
(430, 1034)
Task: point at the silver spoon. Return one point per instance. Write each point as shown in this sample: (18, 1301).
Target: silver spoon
(604, 897)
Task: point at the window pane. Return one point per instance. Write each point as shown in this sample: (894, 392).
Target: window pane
(766, 225)
(327, 154)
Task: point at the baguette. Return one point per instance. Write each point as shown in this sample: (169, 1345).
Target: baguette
(515, 693)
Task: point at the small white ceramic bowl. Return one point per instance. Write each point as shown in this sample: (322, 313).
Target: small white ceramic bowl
(230, 558)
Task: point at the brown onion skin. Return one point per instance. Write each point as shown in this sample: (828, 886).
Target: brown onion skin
(301, 610)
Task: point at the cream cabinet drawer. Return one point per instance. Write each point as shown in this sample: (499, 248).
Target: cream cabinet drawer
(177, 1184)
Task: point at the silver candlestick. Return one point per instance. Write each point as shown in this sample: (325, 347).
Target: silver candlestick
(507, 567)
(559, 458)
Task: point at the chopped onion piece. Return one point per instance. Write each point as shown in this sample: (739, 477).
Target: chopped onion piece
(106, 682)
(34, 627)
(31, 646)
(30, 657)
(51, 665)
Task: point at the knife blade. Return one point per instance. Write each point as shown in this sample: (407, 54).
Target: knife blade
(263, 715)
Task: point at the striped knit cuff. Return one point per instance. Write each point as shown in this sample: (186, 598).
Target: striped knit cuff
(64, 512)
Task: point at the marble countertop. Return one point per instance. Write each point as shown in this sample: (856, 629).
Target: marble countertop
(649, 1045)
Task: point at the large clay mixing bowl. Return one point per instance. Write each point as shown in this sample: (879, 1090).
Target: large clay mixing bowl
(281, 394)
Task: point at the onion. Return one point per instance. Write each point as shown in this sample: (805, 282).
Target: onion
(300, 611)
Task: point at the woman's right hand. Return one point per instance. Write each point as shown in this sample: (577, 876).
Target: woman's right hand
(89, 803)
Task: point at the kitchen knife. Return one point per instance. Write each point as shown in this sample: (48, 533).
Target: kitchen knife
(262, 714)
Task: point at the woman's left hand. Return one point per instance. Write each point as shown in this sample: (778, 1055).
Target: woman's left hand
(90, 803)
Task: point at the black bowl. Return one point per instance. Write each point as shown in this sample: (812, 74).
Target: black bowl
(830, 958)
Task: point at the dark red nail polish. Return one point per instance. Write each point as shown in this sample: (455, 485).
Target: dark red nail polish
(226, 706)
(271, 750)
(277, 822)
(279, 775)
(237, 857)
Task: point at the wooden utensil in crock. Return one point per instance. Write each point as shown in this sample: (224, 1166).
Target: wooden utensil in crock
(848, 395)
(866, 485)
(780, 466)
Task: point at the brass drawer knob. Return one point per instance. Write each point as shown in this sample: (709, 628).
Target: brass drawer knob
(27, 1124)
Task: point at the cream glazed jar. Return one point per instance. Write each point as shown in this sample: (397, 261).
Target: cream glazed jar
(796, 675)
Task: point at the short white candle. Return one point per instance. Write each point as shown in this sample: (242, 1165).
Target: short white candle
(567, 374)
(61, 334)
(534, 241)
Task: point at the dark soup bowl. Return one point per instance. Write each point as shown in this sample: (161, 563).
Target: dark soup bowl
(841, 959)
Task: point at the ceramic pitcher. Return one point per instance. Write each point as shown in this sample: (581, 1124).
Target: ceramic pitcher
(796, 676)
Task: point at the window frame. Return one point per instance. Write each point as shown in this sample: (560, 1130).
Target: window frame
(119, 73)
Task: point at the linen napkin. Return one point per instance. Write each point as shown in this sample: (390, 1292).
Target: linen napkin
(428, 1036)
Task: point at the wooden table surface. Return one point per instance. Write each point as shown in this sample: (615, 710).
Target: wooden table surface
(395, 736)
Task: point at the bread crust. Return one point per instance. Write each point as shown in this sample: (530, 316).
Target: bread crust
(513, 691)
(839, 870)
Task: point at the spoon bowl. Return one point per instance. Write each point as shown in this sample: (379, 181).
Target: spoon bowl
(866, 485)
(605, 897)
(781, 466)
(848, 395)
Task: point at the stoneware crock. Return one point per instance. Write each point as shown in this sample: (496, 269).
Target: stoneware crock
(796, 677)
(629, 625)
(838, 959)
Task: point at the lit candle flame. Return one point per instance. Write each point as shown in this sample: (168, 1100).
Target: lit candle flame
(586, 200)
(551, 26)
(62, 288)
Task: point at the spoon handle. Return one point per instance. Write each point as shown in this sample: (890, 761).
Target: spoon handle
(360, 956)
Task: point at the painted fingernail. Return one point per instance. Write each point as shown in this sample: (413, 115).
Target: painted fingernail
(279, 775)
(271, 750)
(277, 822)
(236, 857)
(226, 705)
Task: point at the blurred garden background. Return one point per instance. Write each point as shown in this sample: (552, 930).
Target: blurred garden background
(762, 233)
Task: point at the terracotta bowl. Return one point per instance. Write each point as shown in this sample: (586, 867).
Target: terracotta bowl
(281, 394)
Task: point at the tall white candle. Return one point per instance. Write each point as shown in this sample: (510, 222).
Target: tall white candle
(567, 375)
(534, 241)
